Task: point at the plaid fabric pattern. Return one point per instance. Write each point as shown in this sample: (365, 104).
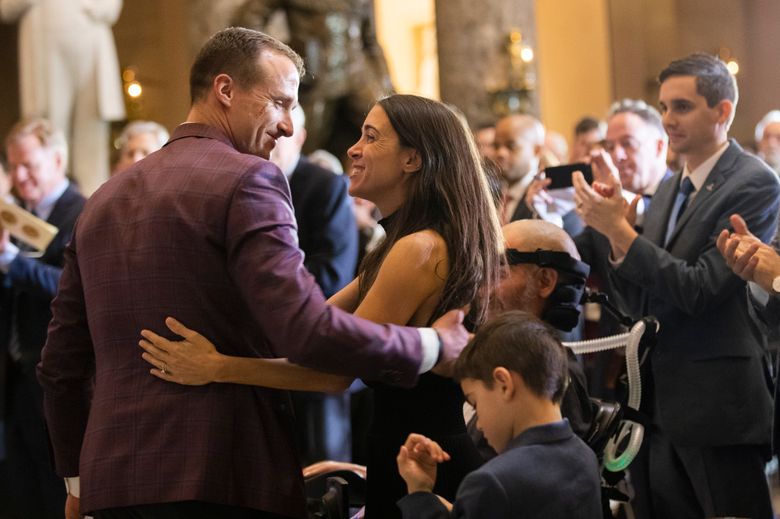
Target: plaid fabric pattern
(206, 234)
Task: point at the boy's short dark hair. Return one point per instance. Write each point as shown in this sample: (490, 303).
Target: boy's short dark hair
(519, 342)
(714, 82)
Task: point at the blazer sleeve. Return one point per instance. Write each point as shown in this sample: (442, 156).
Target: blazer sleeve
(573, 224)
(66, 369)
(585, 245)
(332, 255)
(35, 276)
(422, 505)
(481, 494)
(696, 287)
(266, 265)
(41, 276)
(767, 315)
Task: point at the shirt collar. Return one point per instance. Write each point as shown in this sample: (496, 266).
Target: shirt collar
(44, 208)
(699, 175)
(519, 187)
(547, 433)
(516, 193)
(652, 189)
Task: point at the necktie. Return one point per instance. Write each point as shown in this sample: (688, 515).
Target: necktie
(647, 199)
(680, 203)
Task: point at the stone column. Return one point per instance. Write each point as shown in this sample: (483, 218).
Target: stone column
(472, 37)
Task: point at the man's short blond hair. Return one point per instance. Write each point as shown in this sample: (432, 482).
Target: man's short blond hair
(50, 137)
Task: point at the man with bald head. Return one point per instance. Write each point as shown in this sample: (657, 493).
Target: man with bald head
(546, 278)
(519, 142)
(528, 286)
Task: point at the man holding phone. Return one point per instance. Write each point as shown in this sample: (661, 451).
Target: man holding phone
(559, 177)
(636, 143)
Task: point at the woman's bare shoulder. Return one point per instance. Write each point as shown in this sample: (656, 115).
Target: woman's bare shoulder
(422, 247)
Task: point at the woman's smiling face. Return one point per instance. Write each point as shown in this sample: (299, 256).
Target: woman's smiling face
(377, 173)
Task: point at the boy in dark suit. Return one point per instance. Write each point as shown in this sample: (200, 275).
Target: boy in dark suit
(514, 373)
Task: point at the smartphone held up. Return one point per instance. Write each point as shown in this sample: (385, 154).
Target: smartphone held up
(560, 176)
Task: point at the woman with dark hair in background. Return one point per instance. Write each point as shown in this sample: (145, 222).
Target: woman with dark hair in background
(418, 163)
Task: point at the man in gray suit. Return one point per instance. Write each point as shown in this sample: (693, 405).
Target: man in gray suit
(711, 409)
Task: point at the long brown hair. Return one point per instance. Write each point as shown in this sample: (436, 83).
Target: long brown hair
(449, 195)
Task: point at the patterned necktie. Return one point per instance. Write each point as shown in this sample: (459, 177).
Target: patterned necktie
(680, 203)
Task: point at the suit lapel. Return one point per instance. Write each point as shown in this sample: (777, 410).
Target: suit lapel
(715, 180)
(61, 206)
(522, 212)
(654, 228)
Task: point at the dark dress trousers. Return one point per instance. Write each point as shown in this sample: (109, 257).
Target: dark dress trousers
(26, 292)
(204, 233)
(709, 368)
(545, 472)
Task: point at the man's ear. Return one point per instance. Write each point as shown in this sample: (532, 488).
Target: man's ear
(725, 112)
(59, 161)
(224, 88)
(548, 278)
(660, 147)
(299, 134)
(412, 161)
(503, 382)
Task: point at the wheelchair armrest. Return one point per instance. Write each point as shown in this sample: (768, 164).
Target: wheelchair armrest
(317, 486)
(606, 419)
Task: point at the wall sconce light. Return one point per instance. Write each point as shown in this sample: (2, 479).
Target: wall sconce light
(133, 90)
(515, 95)
(732, 64)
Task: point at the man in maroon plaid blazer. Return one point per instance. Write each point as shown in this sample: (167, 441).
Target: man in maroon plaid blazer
(203, 229)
